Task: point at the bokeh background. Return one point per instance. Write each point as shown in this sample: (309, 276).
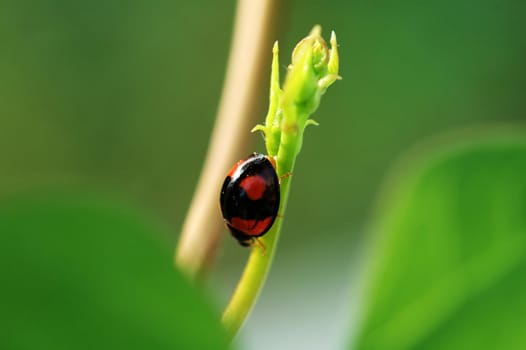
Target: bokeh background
(119, 98)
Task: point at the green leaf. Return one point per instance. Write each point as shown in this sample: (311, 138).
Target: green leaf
(449, 259)
(85, 275)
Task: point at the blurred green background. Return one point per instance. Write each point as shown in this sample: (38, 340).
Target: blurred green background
(119, 97)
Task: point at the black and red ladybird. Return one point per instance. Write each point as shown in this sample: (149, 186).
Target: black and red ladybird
(250, 198)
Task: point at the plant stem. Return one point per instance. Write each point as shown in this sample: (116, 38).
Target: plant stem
(256, 270)
(203, 227)
(314, 68)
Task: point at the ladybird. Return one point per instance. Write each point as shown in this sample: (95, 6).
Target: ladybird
(250, 198)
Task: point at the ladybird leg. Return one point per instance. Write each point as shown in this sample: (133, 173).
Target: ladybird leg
(284, 176)
(256, 241)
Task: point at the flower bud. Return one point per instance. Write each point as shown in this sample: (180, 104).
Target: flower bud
(314, 68)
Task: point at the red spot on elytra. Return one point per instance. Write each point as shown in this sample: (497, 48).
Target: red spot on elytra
(234, 168)
(251, 227)
(254, 186)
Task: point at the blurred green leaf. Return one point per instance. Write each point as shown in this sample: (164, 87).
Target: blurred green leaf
(449, 261)
(85, 275)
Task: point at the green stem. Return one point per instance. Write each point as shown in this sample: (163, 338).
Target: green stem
(255, 273)
(314, 68)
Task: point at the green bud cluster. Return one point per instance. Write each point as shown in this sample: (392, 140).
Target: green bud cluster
(313, 69)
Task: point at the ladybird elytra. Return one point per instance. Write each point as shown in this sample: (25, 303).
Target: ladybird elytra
(250, 198)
